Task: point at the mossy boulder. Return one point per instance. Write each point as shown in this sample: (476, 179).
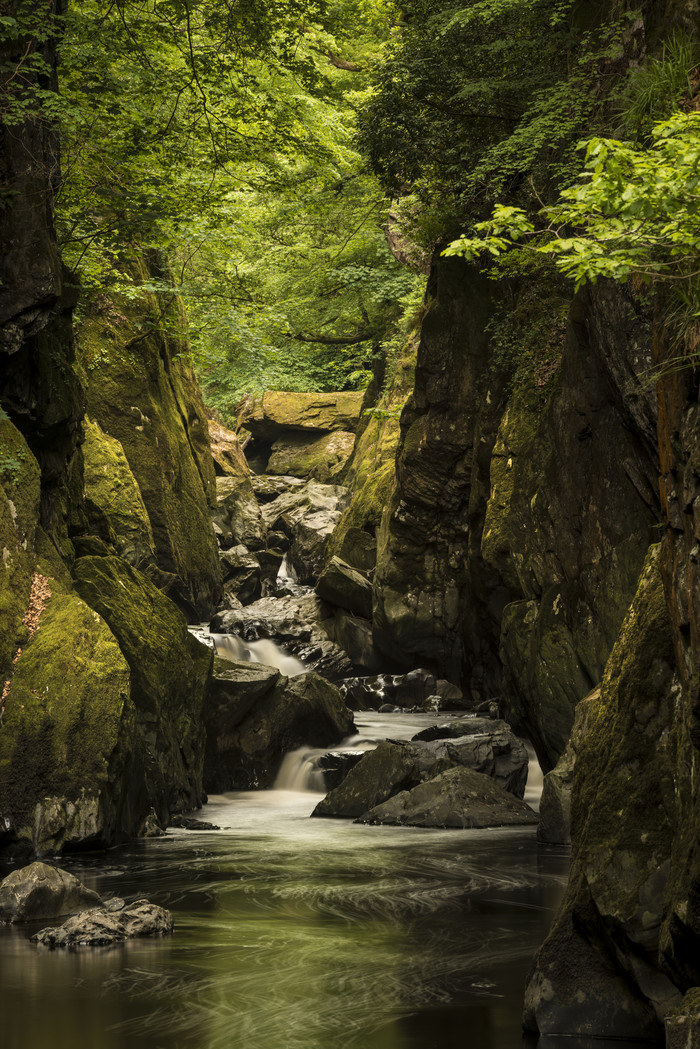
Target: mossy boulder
(276, 412)
(66, 747)
(322, 458)
(170, 672)
(113, 504)
(142, 392)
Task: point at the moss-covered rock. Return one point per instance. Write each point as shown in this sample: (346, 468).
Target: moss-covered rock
(66, 744)
(143, 393)
(169, 677)
(322, 458)
(19, 519)
(623, 826)
(269, 416)
(113, 504)
(341, 585)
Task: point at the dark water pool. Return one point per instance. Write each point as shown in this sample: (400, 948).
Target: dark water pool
(293, 933)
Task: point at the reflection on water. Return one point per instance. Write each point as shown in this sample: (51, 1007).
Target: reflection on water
(294, 933)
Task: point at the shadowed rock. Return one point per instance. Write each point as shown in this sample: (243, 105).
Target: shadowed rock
(40, 891)
(458, 797)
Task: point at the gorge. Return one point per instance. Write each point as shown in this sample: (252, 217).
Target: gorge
(476, 532)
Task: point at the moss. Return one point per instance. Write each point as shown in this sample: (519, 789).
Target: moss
(623, 809)
(323, 459)
(19, 517)
(371, 473)
(113, 501)
(142, 392)
(67, 709)
(170, 672)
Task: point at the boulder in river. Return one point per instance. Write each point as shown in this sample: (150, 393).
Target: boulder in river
(458, 797)
(115, 922)
(397, 766)
(41, 891)
(303, 710)
(393, 766)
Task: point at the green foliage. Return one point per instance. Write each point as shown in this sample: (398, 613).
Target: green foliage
(486, 100)
(658, 85)
(636, 211)
(220, 137)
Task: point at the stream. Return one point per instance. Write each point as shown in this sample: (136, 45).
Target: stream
(298, 933)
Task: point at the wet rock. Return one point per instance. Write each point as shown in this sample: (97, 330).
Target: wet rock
(379, 774)
(335, 766)
(191, 823)
(276, 413)
(237, 518)
(297, 622)
(303, 710)
(404, 690)
(683, 1023)
(458, 797)
(100, 927)
(470, 726)
(388, 708)
(150, 826)
(240, 571)
(341, 585)
(498, 754)
(40, 891)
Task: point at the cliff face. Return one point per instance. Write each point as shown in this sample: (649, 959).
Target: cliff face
(102, 686)
(521, 514)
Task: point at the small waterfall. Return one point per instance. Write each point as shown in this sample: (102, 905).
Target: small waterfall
(299, 771)
(286, 574)
(231, 646)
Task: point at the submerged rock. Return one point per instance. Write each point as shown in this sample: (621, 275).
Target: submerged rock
(458, 797)
(113, 923)
(40, 891)
(192, 823)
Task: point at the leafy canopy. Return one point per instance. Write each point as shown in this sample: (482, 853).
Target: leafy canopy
(636, 211)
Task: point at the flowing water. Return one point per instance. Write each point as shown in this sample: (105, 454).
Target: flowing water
(298, 933)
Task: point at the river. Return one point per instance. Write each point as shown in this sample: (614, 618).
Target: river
(298, 933)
